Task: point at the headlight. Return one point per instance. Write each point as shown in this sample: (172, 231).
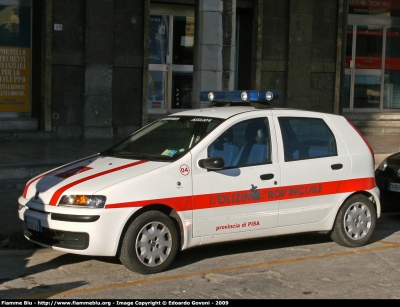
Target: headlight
(90, 201)
(383, 165)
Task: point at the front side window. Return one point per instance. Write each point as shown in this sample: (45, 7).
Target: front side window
(164, 140)
(306, 138)
(244, 144)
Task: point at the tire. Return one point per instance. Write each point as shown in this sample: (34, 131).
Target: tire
(150, 243)
(355, 222)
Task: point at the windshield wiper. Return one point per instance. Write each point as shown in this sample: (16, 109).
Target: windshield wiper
(108, 153)
(123, 154)
(129, 154)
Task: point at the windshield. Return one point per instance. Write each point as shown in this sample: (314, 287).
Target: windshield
(164, 140)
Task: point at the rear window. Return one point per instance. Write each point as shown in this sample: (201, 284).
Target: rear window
(306, 138)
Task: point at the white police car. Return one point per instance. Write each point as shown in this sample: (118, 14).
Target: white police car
(209, 175)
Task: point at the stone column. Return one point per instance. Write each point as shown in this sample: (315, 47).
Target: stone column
(343, 12)
(45, 112)
(257, 50)
(299, 57)
(214, 47)
(97, 118)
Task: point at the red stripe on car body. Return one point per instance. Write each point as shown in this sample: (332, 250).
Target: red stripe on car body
(181, 203)
(244, 197)
(56, 196)
(53, 171)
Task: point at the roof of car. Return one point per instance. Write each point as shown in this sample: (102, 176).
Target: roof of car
(216, 112)
(227, 112)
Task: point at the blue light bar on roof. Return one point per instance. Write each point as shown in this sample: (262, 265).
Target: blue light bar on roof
(238, 96)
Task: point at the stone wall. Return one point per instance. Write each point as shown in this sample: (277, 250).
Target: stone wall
(129, 63)
(68, 68)
(323, 55)
(299, 52)
(99, 58)
(275, 46)
(214, 48)
(97, 68)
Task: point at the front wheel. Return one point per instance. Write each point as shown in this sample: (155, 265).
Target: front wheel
(355, 222)
(150, 243)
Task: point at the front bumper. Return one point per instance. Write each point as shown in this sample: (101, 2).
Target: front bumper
(75, 230)
(57, 238)
(388, 198)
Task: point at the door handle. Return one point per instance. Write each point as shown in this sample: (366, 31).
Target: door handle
(336, 166)
(267, 176)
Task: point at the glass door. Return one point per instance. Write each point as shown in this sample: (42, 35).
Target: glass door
(170, 58)
(392, 69)
(364, 73)
(159, 63)
(372, 74)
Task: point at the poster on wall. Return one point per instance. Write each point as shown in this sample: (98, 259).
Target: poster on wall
(158, 39)
(156, 90)
(15, 56)
(14, 79)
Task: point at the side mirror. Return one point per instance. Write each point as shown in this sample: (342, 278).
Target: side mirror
(212, 163)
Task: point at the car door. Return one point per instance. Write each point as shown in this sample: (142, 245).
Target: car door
(234, 199)
(314, 162)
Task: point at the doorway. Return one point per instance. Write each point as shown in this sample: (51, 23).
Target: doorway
(170, 59)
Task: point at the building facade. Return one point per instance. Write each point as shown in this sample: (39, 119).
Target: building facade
(90, 69)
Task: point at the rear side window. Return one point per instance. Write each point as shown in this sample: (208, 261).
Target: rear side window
(306, 138)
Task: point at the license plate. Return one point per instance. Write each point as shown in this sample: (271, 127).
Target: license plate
(395, 187)
(33, 224)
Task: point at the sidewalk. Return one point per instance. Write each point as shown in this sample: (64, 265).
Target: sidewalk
(49, 152)
(26, 159)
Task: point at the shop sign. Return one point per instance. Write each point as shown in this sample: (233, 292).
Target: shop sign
(373, 7)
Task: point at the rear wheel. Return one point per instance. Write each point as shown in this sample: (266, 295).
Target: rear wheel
(355, 222)
(150, 243)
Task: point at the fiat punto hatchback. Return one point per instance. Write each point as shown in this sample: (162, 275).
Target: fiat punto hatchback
(205, 176)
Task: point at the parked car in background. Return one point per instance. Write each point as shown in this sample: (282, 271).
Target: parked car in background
(387, 177)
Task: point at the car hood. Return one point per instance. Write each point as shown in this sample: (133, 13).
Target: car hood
(394, 159)
(84, 177)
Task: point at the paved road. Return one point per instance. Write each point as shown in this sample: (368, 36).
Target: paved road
(291, 267)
